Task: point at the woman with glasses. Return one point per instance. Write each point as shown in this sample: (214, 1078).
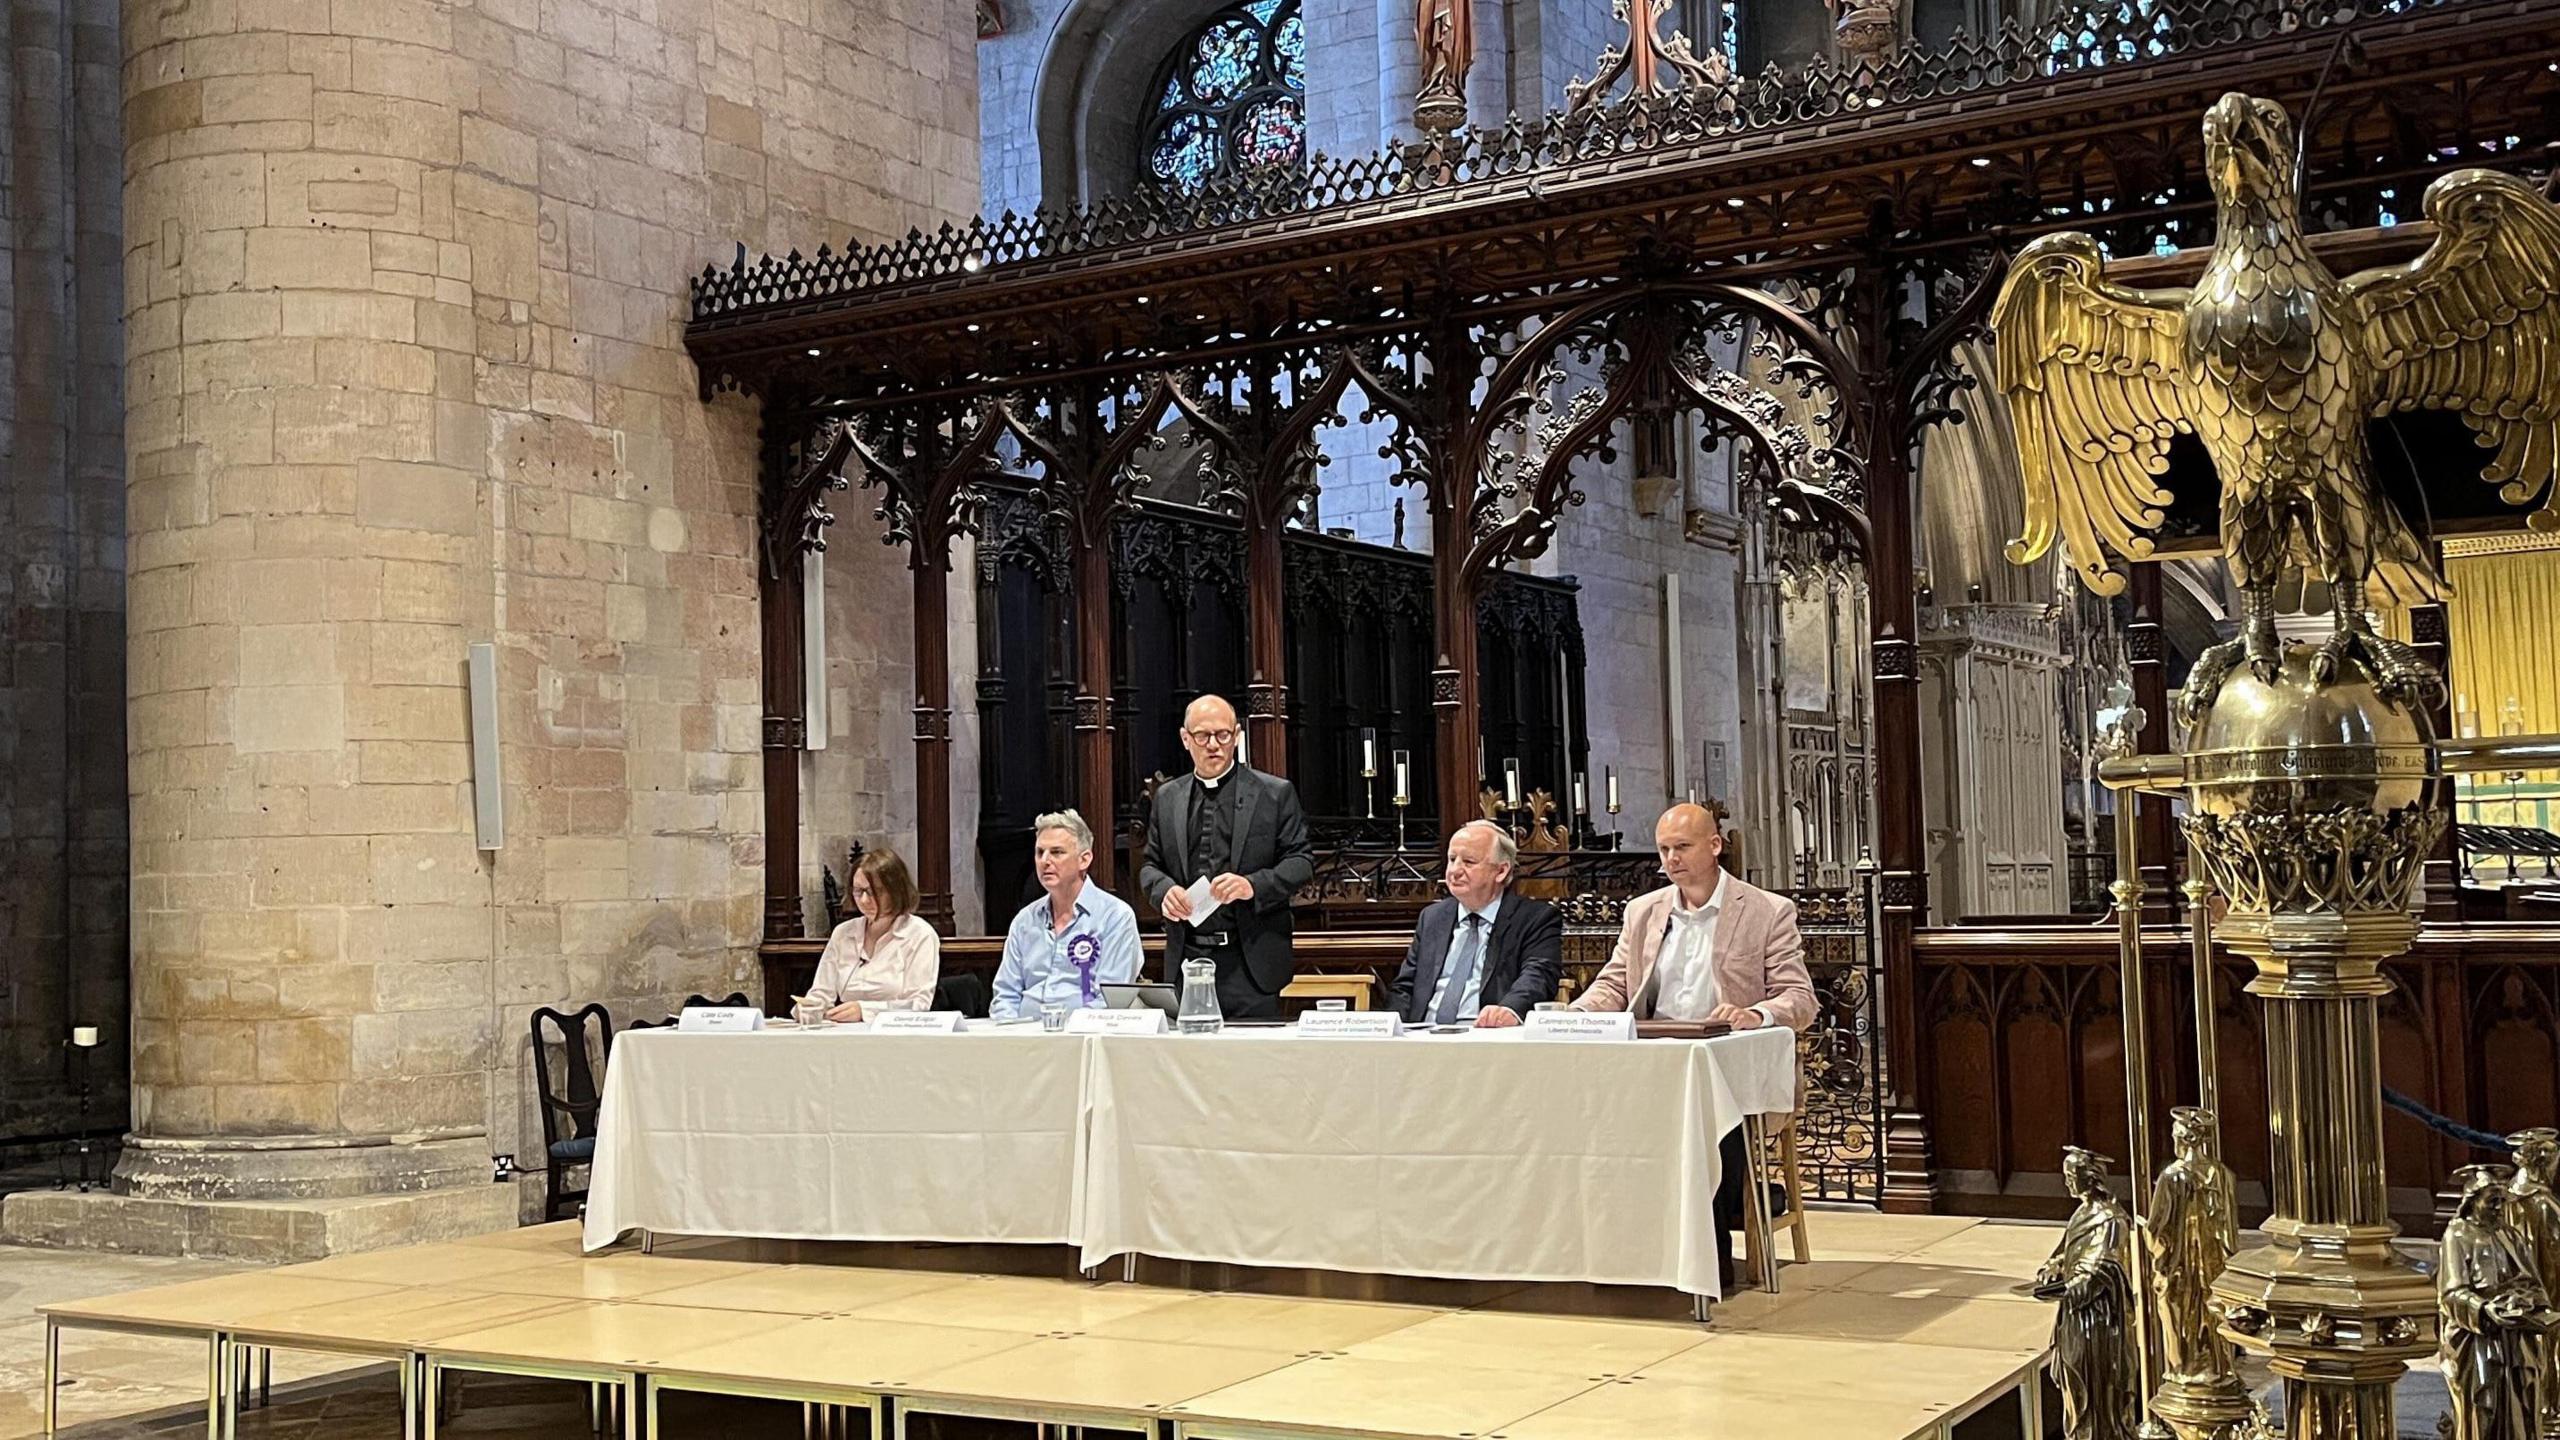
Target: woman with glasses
(885, 957)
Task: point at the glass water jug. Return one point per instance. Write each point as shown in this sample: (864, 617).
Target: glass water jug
(1200, 1014)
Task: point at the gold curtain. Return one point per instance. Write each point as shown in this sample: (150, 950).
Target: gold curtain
(2505, 634)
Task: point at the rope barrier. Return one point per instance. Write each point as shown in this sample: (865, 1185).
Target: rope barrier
(2444, 1124)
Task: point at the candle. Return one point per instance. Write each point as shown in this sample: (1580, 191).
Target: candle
(1368, 752)
(1511, 783)
(1581, 802)
(84, 1036)
(1404, 789)
(1611, 772)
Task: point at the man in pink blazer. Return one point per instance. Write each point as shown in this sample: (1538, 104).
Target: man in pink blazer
(1707, 946)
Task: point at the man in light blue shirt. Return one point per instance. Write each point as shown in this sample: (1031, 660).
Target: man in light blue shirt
(1068, 944)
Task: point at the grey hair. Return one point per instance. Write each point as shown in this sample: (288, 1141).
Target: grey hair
(1066, 820)
(1506, 851)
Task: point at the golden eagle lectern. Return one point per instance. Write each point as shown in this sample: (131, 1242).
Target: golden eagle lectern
(2274, 364)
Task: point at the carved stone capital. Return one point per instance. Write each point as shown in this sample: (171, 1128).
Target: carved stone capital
(1896, 660)
(785, 732)
(933, 724)
(1088, 711)
(1444, 689)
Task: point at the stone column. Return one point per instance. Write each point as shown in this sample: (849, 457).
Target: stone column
(310, 556)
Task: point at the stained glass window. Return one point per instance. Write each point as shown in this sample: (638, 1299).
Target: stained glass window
(1233, 97)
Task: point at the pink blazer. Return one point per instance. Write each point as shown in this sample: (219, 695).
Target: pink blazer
(1759, 954)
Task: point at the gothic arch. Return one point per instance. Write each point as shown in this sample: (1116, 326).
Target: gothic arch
(1971, 499)
(1095, 86)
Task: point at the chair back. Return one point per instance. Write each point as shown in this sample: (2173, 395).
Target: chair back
(567, 1063)
(964, 991)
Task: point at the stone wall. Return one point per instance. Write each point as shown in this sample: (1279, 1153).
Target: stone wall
(408, 280)
(62, 794)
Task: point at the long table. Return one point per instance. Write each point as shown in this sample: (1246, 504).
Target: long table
(1486, 1156)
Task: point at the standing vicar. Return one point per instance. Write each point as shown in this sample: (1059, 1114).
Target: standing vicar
(1242, 830)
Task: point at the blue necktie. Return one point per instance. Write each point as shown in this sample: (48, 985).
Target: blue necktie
(1460, 977)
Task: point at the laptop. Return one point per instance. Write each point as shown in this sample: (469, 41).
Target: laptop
(1138, 996)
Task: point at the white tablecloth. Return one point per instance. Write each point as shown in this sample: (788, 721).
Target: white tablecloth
(838, 1135)
(1481, 1156)
(1475, 1158)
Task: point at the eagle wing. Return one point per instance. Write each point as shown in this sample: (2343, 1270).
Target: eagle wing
(2473, 326)
(2092, 371)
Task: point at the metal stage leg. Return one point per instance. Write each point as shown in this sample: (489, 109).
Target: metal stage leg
(408, 1397)
(434, 1400)
(1699, 1304)
(648, 1243)
(649, 1414)
(630, 1393)
(595, 1407)
(1129, 1268)
(266, 1375)
(217, 1382)
(52, 1376)
(2031, 1405)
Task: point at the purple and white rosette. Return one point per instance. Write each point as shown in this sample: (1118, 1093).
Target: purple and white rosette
(1084, 952)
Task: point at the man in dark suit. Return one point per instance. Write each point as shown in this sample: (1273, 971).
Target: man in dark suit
(1483, 956)
(1243, 831)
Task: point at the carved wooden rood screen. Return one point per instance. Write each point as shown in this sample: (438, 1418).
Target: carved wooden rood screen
(1502, 313)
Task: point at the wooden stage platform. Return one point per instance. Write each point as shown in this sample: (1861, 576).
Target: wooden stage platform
(1904, 1326)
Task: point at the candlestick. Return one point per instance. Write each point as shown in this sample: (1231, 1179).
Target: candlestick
(1404, 793)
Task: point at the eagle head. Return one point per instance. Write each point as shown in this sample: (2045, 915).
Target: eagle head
(2248, 149)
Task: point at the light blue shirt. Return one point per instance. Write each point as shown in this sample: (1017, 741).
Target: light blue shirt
(1040, 969)
(1474, 978)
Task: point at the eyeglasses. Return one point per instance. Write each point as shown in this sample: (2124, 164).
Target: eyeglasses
(1214, 737)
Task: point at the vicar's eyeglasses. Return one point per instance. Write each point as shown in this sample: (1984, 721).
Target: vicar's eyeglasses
(1215, 739)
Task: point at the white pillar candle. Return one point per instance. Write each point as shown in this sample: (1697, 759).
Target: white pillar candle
(1404, 792)
(84, 1036)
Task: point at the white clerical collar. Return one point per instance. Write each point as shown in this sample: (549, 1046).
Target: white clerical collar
(1714, 905)
(1205, 783)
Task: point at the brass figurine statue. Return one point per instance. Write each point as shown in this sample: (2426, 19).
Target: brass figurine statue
(2192, 1229)
(2535, 1210)
(2096, 1363)
(2274, 364)
(2497, 1316)
(2314, 780)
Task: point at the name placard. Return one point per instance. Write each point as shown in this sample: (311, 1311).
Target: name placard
(917, 1022)
(719, 1019)
(1356, 1023)
(1146, 1020)
(1580, 1025)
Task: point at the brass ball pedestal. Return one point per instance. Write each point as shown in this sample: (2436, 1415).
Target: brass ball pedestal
(2314, 808)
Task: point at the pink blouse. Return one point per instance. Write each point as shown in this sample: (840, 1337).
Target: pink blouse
(899, 977)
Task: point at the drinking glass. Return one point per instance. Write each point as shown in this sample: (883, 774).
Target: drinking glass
(1053, 1019)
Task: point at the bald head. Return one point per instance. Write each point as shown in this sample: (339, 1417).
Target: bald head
(1690, 843)
(1209, 736)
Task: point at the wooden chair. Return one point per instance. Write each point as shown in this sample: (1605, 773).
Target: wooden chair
(1790, 1174)
(570, 1098)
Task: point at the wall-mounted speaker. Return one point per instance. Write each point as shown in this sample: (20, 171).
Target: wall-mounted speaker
(488, 796)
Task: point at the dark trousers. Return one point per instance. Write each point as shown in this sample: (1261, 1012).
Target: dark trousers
(1735, 1162)
(1238, 997)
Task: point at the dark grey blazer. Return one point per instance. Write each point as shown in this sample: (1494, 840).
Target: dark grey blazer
(1524, 957)
(1271, 850)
